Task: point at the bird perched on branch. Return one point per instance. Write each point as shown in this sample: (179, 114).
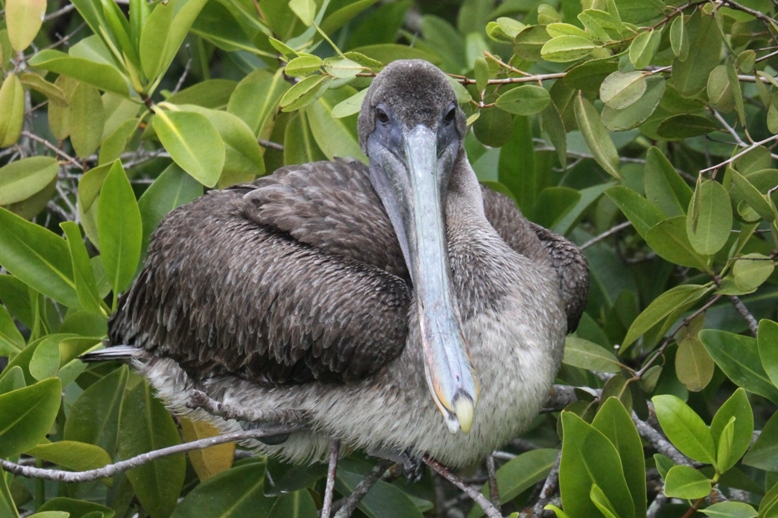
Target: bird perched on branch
(396, 307)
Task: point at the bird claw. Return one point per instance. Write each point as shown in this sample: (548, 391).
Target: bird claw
(412, 466)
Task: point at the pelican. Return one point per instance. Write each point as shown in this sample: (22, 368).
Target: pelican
(396, 307)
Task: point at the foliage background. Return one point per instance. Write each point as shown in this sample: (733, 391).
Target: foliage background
(641, 129)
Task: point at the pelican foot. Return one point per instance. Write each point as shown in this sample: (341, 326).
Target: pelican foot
(412, 466)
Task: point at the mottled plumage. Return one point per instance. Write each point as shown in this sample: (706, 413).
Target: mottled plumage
(293, 292)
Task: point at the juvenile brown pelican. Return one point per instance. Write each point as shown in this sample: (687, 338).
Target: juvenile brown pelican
(395, 307)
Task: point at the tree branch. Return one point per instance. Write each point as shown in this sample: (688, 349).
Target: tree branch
(548, 488)
(350, 503)
(199, 399)
(659, 443)
(473, 493)
(144, 458)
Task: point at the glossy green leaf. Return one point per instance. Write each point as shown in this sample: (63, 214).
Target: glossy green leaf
(342, 68)
(193, 143)
(115, 143)
(524, 100)
(730, 510)
(256, 98)
(664, 186)
(751, 270)
(504, 30)
(26, 415)
(86, 285)
(11, 340)
(751, 195)
(600, 500)
(349, 106)
(233, 493)
(566, 29)
(7, 504)
(303, 93)
(529, 42)
(519, 474)
(614, 421)
(73, 455)
(36, 82)
(304, 9)
(739, 408)
(146, 425)
(94, 417)
(638, 112)
(299, 145)
(12, 108)
(562, 49)
(103, 76)
(37, 257)
(620, 89)
(299, 504)
(764, 452)
(587, 355)
(685, 429)
(693, 365)
(670, 241)
(554, 126)
(679, 38)
(641, 213)
(690, 76)
(596, 136)
(767, 341)
(21, 179)
(77, 508)
(86, 119)
(643, 47)
(686, 482)
(120, 229)
(738, 357)
(709, 218)
(685, 126)
(171, 189)
(45, 360)
(23, 20)
(335, 137)
(303, 65)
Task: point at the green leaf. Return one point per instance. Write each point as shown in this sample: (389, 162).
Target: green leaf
(26, 415)
(304, 9)
(86, 285)
(751, 195)
(11, 340)
(620, 89)
(524, 100)
(730, 510)
(686, 482)
(614, 422)
(103, 76)
(690, 76)
(719, 89)
(36, 82)
(77, 456)
(670, 241)
(146, 425)
(349, 106)
(171, 189)
(643, 47)
(767, 338)
(519, 474)
(23, 19)
(563, 49)
(7, 504)
(12, 107)
(638, 112)
(751, 270)
(299, 504)
(738, 357)
(737, 91)
(764, 452)
(303, 93)
(529, 43)
(383, 501)
(693, 365)
(686, 125)
(342, 68)
(120, 229)
(552, 124)
(86, 119)
(163, 34)
(256, 98)
(77, 508)
(590, 356)
(493, 127)
(685, 429)
(193, 143)
(236, 492)
(588, 457)
(335, 137)
(38, 257)
(641, 213)
(115, 143)
(94, 417)
(709, 219)
(724, 455)
(664, 186)
(45, 360)
(600, 500)
(566, 29)
(595, 135)
(299, 145)
(21, 179)
(504, 30)
(679, 38)
(303, 65)
(211, 93)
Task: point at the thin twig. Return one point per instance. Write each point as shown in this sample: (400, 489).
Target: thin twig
(473, 493)
(549, 486)
(363, 488)
(332, 468)
(53, 148)
(139, 460)
(607, 233)
(270, 144)
(659, 443)
(199, 399)
(741, 153)
(59, 12)
(741, 308)
(494, 490)
(657, 504)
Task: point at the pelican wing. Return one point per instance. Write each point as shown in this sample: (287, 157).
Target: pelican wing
(240, 281)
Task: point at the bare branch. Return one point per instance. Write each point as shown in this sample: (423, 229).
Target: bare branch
(199, 399)
(144, 458)
(659, 443)
(326, 508)
(348, 504)
(741, 308)
(657, 504)
(607, 233)
(494, 490)
(472, 492)
(271, 145)
(741, 153)
(549, 486)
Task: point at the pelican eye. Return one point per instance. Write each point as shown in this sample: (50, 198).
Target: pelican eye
(451, 115)
(381, 115)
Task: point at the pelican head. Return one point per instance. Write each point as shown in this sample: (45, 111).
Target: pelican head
(412, 129)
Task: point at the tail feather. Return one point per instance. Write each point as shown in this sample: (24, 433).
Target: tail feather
(120, 353)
